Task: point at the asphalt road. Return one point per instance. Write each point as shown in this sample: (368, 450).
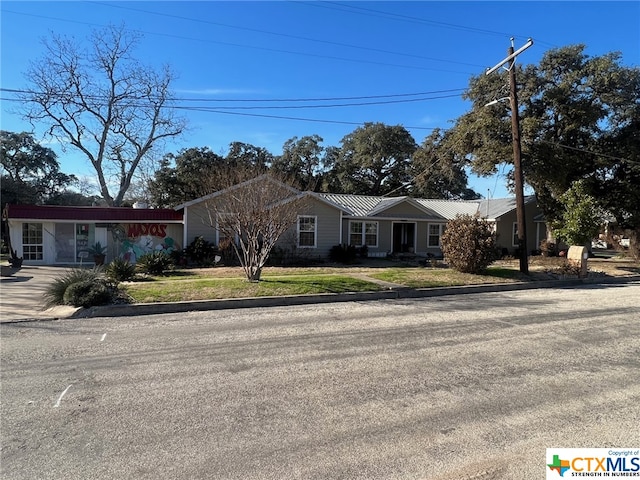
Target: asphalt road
(459, 387)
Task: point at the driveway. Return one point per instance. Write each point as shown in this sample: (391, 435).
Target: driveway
(22, 293)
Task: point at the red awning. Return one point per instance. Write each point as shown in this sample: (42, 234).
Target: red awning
(91, 214)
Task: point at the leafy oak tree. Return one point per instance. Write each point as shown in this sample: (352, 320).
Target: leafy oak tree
(30, 172)
(179, 178)
(437, 171)
(302, 158)
(247, 156)
(104, 103)
(578, 118)
(374, 159)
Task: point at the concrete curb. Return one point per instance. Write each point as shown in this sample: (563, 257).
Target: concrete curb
(397, 293)
(126, 310)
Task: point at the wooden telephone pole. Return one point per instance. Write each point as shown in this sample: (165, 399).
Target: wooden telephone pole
(517, 152)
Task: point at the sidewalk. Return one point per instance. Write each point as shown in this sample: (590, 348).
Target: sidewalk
(21, 296)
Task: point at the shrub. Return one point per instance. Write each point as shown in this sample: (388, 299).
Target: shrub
(582, 217)
(154, 263)
(54, 293)
(343, 253)
(201, 252)
(89, 293)
(468, 244)
(120, 270)
(547, 248)
(179, 257)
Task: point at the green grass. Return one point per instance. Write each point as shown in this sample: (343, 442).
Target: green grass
(207, 288)
(229, 282)
(439, 277)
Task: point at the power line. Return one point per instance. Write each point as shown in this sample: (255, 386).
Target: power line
(217, 42)
(412, 19)
(258, 115)
(358, 10)
(268, 100)
(286, 35)
(234, 107)
(582, 150)
(316, 120)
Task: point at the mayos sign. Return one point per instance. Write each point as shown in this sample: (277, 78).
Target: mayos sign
(143, 238)
(135, 230)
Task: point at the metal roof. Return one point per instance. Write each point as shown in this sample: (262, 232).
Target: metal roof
(494, 208)
(92, 214)
(356, 205)
(368, 206)
(448, 209)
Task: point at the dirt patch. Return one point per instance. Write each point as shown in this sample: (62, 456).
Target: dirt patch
(552, 266)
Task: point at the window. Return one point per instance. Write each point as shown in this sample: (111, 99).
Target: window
(32, 241)
(65, 242)
(515, 242)
(363, 233)
(307, 232)
(435, 232)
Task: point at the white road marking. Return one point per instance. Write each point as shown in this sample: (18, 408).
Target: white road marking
(61, 395)
(103, 337)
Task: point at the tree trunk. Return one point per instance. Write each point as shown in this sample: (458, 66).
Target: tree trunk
(256, 272)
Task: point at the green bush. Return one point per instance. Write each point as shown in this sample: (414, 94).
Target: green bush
(343, 254)
(201, 252)
(120, 270)
(54, 293)
(89, 293)
(154, 263)
(179, 257)
(468, 244)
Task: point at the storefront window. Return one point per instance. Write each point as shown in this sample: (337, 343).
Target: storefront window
(32, 247)
(85, 236)
(65, 243)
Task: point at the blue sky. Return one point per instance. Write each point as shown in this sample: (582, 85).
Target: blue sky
(262, 54)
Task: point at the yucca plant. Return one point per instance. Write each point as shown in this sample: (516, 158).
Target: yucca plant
(89, 293)
(54, 293)
(154, 263)
(120, 270)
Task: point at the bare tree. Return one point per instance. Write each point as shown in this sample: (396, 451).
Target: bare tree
(104, 103)
(253, 213)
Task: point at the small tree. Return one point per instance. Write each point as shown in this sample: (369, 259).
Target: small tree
(468, 244)
(582, 217)
(253, 213)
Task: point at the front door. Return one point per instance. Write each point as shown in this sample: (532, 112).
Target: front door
(404, 237)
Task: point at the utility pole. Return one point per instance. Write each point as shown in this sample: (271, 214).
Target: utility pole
(517, 153)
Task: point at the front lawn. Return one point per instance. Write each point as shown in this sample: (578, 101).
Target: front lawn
(443, 277)
(184, 288)
(229, 282)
